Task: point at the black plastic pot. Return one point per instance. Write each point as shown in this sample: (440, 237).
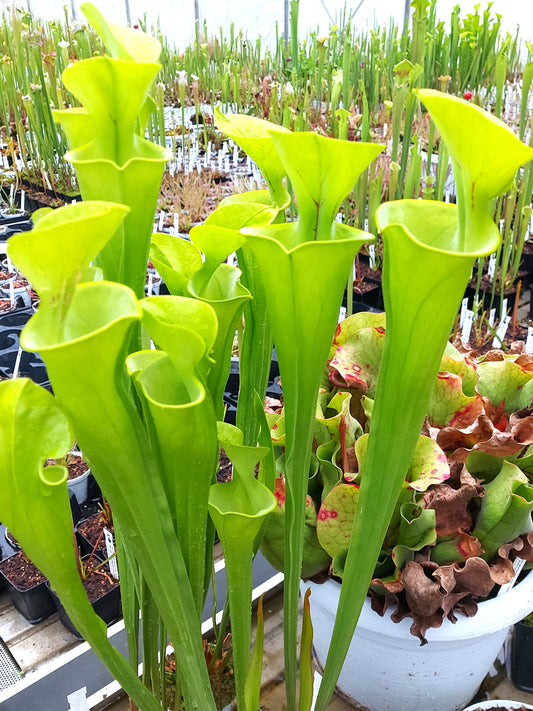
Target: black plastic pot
(35, 604)
(108, 607)
(522, 657)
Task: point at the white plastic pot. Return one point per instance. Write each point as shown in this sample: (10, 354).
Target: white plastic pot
(80, 485)
(388, 670)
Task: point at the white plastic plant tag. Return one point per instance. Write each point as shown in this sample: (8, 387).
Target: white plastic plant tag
(317, 680)
(11, 193)
(464, 309)
(366, 224)
(78, 700)
(338, 217)
(372, 256)
(491, 269)
(232, 259)
(529, 340)
(11, 292)
(501, 331)
(161, 221)
(342, 314)
(110, 550)
(220, 160)
(504, 308)
(16, 367)
(150, 285)
(467, 326)
(226, 164)
(176, 227)
(22, 200)
(447, 196)
(235, 157)
(518, 564)
(492, 317)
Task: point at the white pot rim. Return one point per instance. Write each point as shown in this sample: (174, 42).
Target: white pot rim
(492, 616)
(494, 703)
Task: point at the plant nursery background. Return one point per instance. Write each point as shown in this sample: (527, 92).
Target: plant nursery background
(177, 18)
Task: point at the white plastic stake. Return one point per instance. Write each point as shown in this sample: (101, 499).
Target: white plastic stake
(342, 314)
(338, 217)
(226, 164)
(501, 331)
(491, 269)
(110, 550)
(150, 285)
(372, 255)
(529, 340)
(464, 309)
(467, 326)
(492, 317)
(22, 200)
(161, 221)
(11, 292)
(504, 308)
(518, 564)
(317, 679)
(16, 367)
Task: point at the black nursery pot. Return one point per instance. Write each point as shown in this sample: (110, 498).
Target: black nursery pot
(108, 607)
(522, 657)
(35, 604)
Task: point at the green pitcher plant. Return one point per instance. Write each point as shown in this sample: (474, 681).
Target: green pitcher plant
(429, 251)
(112, 159)
(146, 417)
(311, 258)
(82, 333)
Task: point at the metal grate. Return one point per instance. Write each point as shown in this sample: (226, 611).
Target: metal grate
(10, 672)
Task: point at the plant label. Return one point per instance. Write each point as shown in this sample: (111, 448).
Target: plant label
(500, 333)
(372, 256)
(110, 550)
(464, 309)
(518, 564)
(491, 269)
(529, 340)
(504, 308)
(467, 326)
(161, 221)
(338, 217)
(342, 313)
(492, 317)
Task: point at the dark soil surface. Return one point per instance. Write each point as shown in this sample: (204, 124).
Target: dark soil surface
(93, 530)
(21, 572)
(75, 465)
(98, 581)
